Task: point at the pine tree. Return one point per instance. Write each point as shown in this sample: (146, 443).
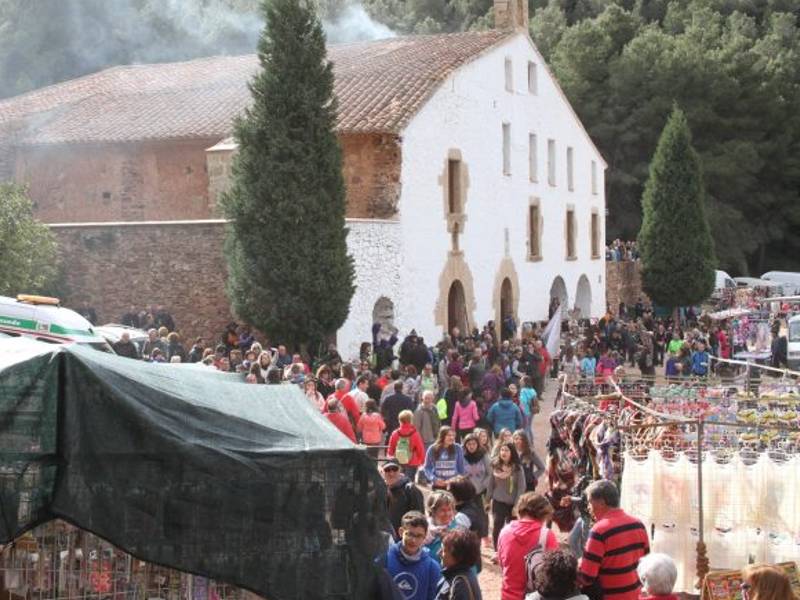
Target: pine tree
(675, 242)
(289, 272)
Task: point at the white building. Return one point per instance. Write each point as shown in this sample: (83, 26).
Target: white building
(501, 207)
(473, 190)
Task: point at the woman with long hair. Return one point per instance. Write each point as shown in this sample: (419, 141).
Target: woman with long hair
(506, 485)
(444, 459)
(325, 384)
(765, 582)
(503, 437)
(532, 465)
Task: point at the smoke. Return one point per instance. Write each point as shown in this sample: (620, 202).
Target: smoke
(353, 24)
(47, 41)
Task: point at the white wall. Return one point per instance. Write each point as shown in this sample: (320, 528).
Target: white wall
(378, 254)
(467, 114)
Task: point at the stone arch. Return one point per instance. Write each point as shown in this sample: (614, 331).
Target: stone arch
(455, 270)
(505, 299)
(583, 298)
(559, 290)
(383, 313)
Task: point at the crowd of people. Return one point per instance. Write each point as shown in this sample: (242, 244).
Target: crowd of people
(619, 251)
(451, 429)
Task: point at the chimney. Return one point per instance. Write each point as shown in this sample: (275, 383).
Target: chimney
(511, 14)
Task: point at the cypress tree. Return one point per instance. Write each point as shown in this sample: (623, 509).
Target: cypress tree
(675, 243)
(289, 273)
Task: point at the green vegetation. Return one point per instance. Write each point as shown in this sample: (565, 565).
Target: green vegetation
(29, 263)
(675, 242)
(289, 272)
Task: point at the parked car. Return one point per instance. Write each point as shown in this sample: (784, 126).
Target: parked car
(112, 333)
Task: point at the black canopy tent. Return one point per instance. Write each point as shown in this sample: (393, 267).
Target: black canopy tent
(188, 468)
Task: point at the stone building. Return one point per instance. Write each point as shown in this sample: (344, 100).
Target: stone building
(473, 190)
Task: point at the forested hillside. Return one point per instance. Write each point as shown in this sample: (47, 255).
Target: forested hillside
(733, 66)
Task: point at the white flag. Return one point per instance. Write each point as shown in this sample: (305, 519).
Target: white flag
(552, 333)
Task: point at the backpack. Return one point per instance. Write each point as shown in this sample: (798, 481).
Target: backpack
(403, 450)
(533, 559)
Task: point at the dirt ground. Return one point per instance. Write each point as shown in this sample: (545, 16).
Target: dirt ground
(490, 577)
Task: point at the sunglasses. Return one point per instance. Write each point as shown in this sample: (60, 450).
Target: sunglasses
(390, 469)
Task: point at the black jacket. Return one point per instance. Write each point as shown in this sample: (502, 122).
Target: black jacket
(128, 350)
(402, 497)
(455, 584)
(392, 406)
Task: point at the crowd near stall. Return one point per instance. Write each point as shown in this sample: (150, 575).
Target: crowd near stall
(237, 466)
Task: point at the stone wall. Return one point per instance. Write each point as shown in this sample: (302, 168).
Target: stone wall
(177, 264)
(143, 181)
(180, 265)
(370, 166)
(624, 284)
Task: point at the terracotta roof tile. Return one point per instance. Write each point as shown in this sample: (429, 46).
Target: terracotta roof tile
(380, 86)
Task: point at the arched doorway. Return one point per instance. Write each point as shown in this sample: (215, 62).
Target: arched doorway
(558, 297)
(583, 298)
(383, 313)
(506, 307)
(457, 308)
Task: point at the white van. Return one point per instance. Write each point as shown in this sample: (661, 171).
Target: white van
(44, 319)
(793, 353)
(790, 281)
(723, 280)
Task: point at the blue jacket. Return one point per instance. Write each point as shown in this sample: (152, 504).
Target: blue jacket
(416, 580)
(504, 414)
(700, 362)
(447, 466)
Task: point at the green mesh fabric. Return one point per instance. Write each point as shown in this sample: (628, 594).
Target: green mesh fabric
(188, 468)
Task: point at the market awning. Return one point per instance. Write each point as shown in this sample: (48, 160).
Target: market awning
(188, 468)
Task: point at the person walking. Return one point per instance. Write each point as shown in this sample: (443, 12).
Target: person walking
(505, 487)
(426, 419)
(444, 459)
(465, 416)
(406, 446)
(616, 543)
(518, 538)
(504, 414)
(370, 428)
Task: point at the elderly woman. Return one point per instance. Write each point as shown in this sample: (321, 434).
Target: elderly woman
(556, 577)
(764, 582)
(658, 574)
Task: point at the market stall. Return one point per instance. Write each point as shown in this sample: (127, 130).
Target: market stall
(186, 468)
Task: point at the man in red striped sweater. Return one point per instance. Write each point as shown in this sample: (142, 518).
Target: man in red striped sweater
(616, 543)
